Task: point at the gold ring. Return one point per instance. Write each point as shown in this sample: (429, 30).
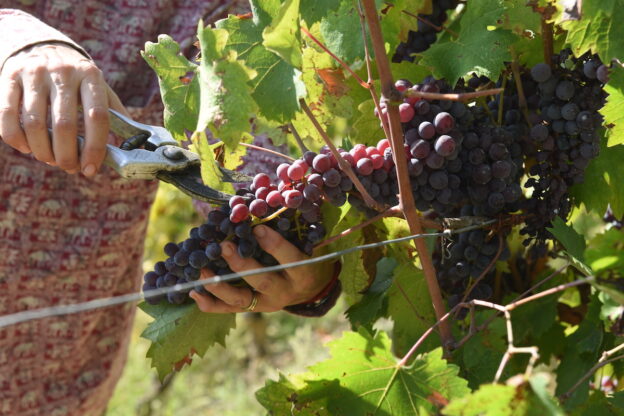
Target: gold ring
(254, 302)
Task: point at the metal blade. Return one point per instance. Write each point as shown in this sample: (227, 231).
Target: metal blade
(189, 182)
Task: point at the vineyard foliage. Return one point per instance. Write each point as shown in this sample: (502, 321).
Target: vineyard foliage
(556, 353)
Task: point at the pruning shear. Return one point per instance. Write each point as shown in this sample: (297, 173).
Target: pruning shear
(160, 158)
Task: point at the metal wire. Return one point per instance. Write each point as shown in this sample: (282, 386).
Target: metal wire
(30, 315)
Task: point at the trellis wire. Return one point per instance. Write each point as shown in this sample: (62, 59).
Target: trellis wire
(51, 311)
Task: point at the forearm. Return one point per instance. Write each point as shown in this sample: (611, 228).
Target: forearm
(21, 30)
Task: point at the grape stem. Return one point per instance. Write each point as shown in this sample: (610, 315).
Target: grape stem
(369, 72)
(427, 22)
(547, 35)
(264, 149)
(297, 137)
(272, 216)
(515, 68)
(344, 165)
(406, 198)
(464, 96)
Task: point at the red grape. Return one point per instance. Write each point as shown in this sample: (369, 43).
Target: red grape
(282, 172)
(321, 163)
(365, 166)
(236, 200)
(261, 180)
(239, 213)
(406, 112)
(258, 207)
(274, 199)
(292, 199)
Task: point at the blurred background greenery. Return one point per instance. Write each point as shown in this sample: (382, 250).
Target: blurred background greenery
(225, 380)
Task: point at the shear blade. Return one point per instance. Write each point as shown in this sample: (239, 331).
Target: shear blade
(189, 182)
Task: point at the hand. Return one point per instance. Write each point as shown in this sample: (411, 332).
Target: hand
(274, 291)
(58, 76)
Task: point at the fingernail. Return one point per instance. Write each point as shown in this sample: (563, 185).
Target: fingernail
(72, 171)
(89, 170)
(194, 295)
(25, 149)
(226, 250)
(260, 231)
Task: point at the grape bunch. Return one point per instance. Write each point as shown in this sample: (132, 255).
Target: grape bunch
(466, 258)
(282, 207)
(428, 27)
(565, 133)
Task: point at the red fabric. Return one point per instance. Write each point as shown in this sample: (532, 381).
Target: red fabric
(67, 239)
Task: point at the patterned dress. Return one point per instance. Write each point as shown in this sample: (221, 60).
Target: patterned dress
(66, 238)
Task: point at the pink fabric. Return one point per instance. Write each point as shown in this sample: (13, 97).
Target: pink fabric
(67, 239)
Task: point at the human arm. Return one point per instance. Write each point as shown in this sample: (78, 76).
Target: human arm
(41, 68)
(274, 291)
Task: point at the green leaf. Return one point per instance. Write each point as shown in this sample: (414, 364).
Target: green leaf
(596, 31)
(313, 11)
(370, 307)
(502, 400)
(481, 354)
(283, 36)
(573, 242)
(612, 110)
(180, 331)
(342, 32)
(409, 307)
(582, 350)
(277, 87)
(489, 400)
(362, 377)
(355, 276)
(599, 404)
(225, 103)
(179, 86)
(210, 172)
(603, 182)
(477, 48)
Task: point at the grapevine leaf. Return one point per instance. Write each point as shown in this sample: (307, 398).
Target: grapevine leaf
(571, 240)
(179, 331)
(341, 31)
(363, 377)
(503, 400)
(476, 49)
(371, 306)
(605, 252)
(603, 182)
(327, 99)
(276, 88)
(355, 277)
(612, 110)
(599, 404)
(179, 86)
(482, 353)
(596, 31)
(520, 18)
(212, 176)
(313, 11)
(409, 306)
(366, 127)
(283, 36)
(225, 103)
(581, 352)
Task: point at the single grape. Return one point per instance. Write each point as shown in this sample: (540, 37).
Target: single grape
(426, 130)
(365, 166)
(213, 251)
(308, 157)
(501, 169)
(150, 278)
(331, 178)
(444, 122)
(282, 172)
(565, 90)
(434, 161)
(292, 199)
(274, 199)
(312, 192)
(171, 249)
(541, 72)
(261, 180)
(198, 259)
(444, 145)
(602, 73)
(569, 111)
(420, 149)
(539, 132)
(406, 112)
(482, 174)
(438, 180)
(239, 213)
(296, 171)
(321, 163)
(181, 258)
